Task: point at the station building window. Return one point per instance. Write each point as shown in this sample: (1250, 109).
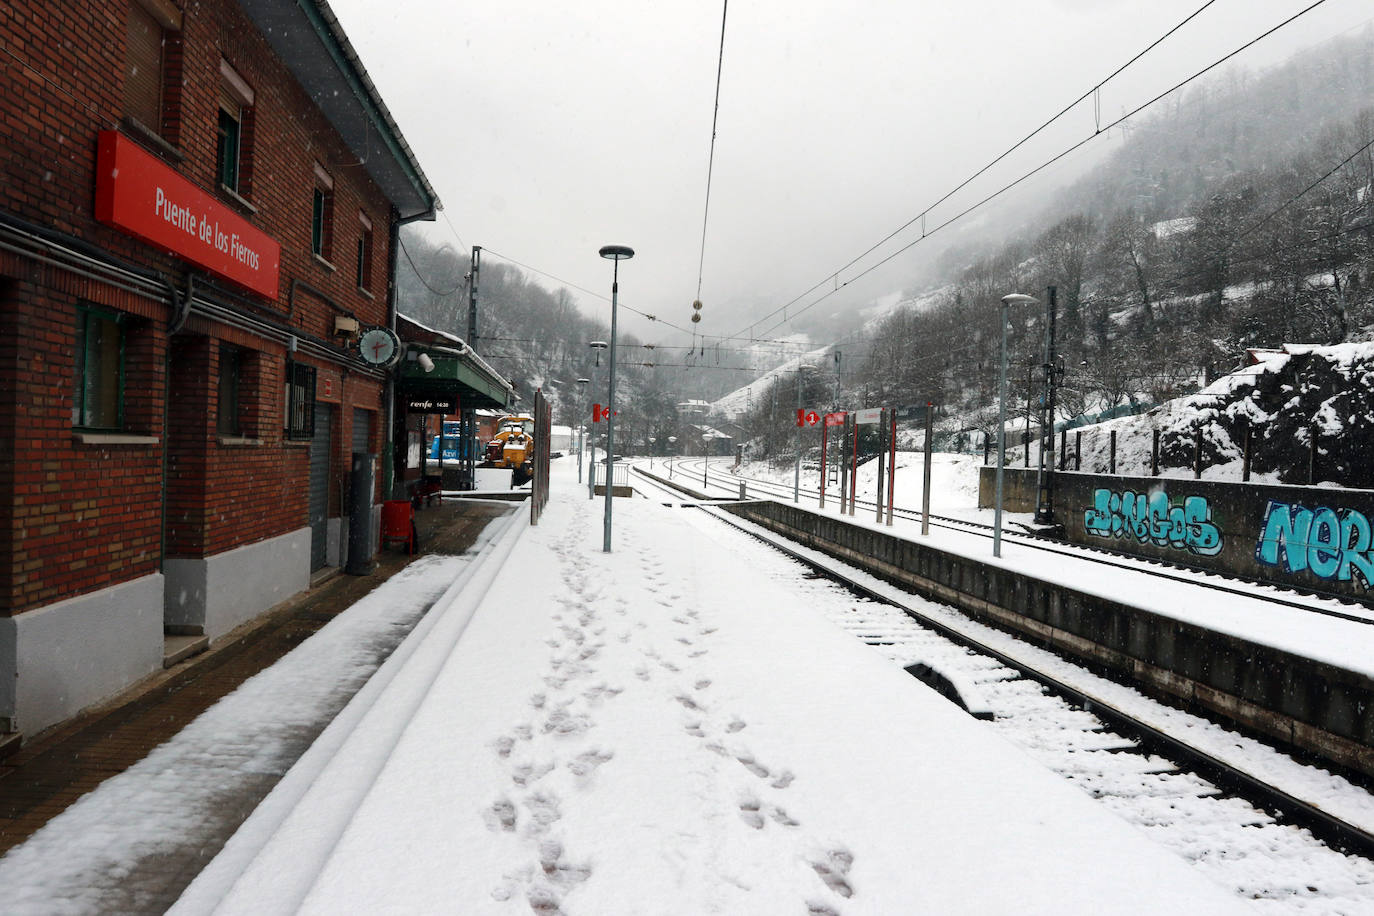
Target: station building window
(322, 215)
(98, 401)
(300, 401)
(231, 377)
(364, 260)
(152, 68)
(233, 145)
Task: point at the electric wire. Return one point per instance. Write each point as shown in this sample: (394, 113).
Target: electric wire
(1044, 165)
(711, 159)
(419, 276)
(1303, 193)
(1017, 145)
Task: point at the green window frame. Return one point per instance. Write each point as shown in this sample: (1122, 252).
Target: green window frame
(321, 218)
(98, 396)
(227, 149)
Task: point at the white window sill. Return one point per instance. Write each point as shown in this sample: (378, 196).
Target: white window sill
(323, 263)
(113, 439)
(239, 441)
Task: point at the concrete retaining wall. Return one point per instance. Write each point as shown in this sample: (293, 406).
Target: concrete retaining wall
(1321, 709)
(211, 595)
(58, 660)
(1317, 538)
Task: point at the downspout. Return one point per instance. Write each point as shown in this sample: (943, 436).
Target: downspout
(389, 395)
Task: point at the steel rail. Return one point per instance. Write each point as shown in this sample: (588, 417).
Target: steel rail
(1330, 829)
(1105, 557)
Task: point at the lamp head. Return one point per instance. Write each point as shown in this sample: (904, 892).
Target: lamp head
(617, 252)
(1018, 299)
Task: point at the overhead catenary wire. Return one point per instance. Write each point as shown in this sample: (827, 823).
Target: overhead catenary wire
(711, 158)
(421, 277)
(1027, 175)
(834, 274)
(582, 289)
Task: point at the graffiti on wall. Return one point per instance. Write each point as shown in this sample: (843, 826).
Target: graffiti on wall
(1331, 543)
(1151, 519)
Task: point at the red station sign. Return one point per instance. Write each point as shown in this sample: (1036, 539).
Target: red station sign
(135, 192)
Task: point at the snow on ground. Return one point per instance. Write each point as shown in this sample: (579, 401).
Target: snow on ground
(663, 729)
(79, 861)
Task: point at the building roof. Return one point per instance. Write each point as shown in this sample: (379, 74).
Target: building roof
(307, 36)
(457, 369)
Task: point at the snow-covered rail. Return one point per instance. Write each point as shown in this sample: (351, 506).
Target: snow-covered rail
(1318, 604)
(1196, 787)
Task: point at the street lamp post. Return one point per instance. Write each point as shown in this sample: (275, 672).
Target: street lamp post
(652, 440)
(1008, 300)
(616, 254)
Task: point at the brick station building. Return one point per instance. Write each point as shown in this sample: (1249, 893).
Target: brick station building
(198, 213)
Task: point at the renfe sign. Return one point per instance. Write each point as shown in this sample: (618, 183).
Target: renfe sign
(137, 193)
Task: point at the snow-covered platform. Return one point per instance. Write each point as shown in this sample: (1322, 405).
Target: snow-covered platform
(667, 728)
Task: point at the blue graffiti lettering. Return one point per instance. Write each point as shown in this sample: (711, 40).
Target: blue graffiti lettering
(1151, 519)
(1332, 543)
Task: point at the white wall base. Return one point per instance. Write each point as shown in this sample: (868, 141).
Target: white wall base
(212, 595)
(57, 660)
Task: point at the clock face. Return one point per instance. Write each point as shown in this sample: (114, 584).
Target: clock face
(379, 347)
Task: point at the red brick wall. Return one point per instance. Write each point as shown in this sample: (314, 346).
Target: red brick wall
(76, 517)
(80, 516)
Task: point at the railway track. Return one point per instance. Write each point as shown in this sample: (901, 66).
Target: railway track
(1156, 767)
(1331, 606)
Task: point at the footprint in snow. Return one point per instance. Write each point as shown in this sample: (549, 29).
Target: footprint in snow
(563, 723)
(556, 869)
(527, 774)
(782, 817)
(501, 815)
(585, 763)
(833, 868)
(543, 811)
(750, 812)
(753, 766)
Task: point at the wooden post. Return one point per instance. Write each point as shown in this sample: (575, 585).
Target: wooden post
(1111, 460)
(1154, 455)
(1078, 450)
(1197, 455)
(1063, 447)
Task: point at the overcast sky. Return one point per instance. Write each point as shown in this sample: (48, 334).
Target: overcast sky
(549, 129)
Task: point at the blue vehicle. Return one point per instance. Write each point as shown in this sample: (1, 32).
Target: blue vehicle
(452, 446)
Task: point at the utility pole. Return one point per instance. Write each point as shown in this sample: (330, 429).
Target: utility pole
(1044, 501)
(467, 418)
